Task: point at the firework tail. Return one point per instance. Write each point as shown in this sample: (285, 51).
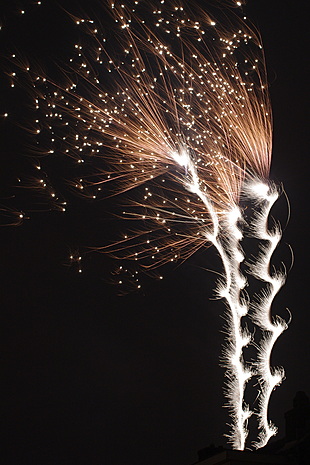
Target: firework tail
(264, 197)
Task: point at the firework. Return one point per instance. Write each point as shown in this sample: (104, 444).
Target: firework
(174, 111)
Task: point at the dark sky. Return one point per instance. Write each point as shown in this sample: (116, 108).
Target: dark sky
(92, 378)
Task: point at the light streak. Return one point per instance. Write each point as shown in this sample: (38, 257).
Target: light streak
(238, 374)
(226, 236)
(174, 108)
(265, 196)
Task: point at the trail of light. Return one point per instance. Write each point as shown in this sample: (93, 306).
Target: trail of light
(265, 196)
(237, 373)
(227, 241)
(226, 237)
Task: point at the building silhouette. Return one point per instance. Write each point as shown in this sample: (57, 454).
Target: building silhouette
(292, 449)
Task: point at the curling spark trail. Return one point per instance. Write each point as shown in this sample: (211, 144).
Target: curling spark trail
(272, 327)
(226, 237)
(238, 374)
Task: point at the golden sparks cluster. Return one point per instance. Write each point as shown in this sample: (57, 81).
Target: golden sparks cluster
(153, 82)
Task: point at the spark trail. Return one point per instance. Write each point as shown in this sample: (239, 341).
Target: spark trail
(238, 374)
(265, 196)
(225, 237)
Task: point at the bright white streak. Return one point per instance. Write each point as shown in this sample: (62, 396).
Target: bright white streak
(226, 238)
(261, 309)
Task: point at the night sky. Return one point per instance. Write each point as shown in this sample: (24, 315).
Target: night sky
(94, 378)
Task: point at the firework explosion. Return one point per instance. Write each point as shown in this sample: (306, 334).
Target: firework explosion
(172, 110)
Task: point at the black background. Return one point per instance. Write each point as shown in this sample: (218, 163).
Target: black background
(93, 378)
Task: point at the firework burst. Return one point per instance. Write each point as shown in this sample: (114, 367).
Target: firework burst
(172, 109)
